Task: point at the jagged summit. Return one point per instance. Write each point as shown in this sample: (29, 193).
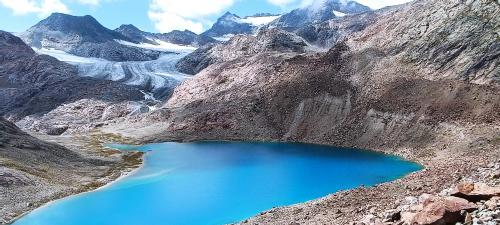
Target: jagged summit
(135, 34)
(318, 11)
(229, 23)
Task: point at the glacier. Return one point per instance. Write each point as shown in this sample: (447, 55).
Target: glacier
(158, 77)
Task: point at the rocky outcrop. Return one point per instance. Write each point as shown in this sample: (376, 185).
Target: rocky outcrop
(82, 116)
(83, 36)
(229, 23)
(319, 11)
(476, 192)
(328, 33)
(442, 209)
(273, 40)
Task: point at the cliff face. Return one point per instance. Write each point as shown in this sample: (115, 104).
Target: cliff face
(392, 85)
(272, 40)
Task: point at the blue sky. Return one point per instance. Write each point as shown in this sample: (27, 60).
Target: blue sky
(149, 15)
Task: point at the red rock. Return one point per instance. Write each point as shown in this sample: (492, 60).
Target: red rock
(442, 211)
(475, 192)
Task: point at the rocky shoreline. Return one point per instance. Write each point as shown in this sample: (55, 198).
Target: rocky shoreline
(406, 196)
(92, 145)
(364, 205)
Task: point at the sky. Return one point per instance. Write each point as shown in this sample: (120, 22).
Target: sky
(149, 15)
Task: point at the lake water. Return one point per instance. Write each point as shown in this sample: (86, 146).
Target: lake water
(219, 182)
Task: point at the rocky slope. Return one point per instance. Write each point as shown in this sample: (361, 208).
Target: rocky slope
(231, 24)
(319, 11)
(33, 172)
(32, 84)
(267, 40)
(420, 80)
(83, 36)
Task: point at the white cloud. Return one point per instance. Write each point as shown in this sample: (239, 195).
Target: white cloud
(168, 15)
(281, 3)
(377, 4)
(374, 4)
(40, 7)
(89, 2)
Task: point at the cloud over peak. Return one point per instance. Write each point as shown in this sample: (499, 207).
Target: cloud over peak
(168, 15)
(40, 7)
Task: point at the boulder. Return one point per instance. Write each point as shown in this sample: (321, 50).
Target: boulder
(475, 192)
(442, 211)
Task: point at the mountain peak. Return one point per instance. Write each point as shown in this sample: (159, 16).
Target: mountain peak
(229, 14)
(317, 12)
(86, 28)
(129, 26)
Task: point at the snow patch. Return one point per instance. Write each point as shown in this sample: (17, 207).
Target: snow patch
(162, 46)
(339, 14)
(224, 38)
(66, 57)
(259, 20)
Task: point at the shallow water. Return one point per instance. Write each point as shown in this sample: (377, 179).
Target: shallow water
(219, 183)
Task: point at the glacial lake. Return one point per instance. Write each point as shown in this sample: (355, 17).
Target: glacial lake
(213, 183)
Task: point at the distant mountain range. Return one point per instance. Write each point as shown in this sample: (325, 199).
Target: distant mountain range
(85, 36)
(231, 24)
(185, 37)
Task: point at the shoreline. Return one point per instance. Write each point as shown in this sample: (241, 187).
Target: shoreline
(53, 201)
(142, 164)
(371, 195)
(122, 164)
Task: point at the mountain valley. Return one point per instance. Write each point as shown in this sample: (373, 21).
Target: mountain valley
(419, 80)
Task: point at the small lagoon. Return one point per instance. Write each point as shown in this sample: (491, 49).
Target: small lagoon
(217, 183)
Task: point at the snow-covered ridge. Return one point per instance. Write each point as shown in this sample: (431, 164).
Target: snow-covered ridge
(162, 46)
(259, 20)
(339, 14)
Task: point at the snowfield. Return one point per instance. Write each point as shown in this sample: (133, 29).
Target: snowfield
(339, 14)
(66, 57)
(259, 20)
(162, 46)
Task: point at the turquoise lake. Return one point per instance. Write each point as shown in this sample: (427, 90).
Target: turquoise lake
(217, 183)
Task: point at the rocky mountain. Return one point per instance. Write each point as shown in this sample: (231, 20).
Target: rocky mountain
(135, 34)
(353, 79)
(83, 36)
(420, 80)
(32, 84)
(267, 40)
(319, 11)
(231, 24)
(186, 37)
(326, 34)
